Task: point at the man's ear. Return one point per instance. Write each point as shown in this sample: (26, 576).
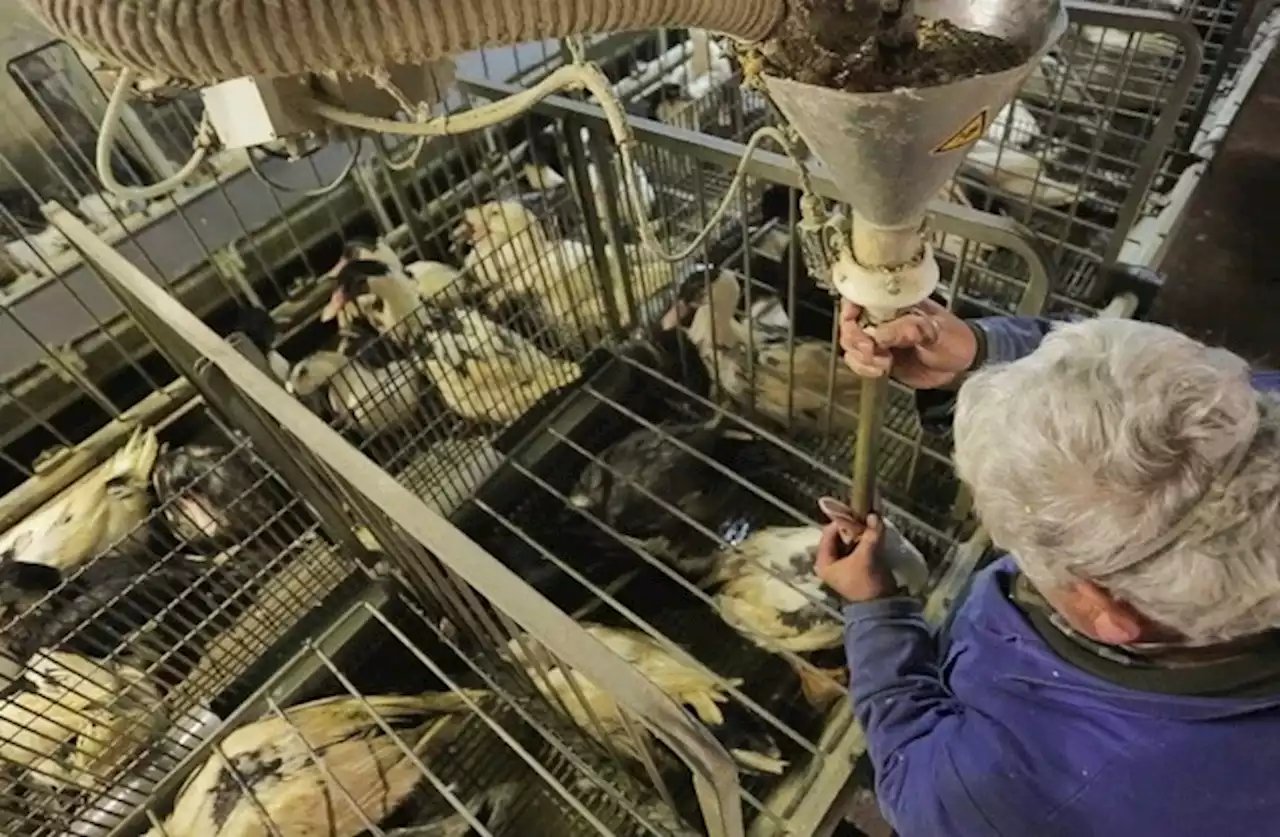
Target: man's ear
(1112, 622)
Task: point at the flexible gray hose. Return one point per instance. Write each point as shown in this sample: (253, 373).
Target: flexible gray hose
(207, 41)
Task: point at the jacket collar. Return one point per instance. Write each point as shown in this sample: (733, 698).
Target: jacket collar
(1250, 669)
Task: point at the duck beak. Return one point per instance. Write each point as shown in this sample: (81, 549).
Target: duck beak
(463, 233)
(337, 302)
(337, 267)
(675, 316)
(543, 178)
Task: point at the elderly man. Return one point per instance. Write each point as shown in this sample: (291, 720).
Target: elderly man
(1117, 671)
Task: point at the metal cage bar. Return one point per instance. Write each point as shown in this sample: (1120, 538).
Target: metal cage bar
(503, 460)
(1226, 27)
(1148, 242)
(524, 470)
(714, 777)
(183, 594)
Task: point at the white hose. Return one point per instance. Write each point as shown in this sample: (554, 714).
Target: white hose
(107, 141)
(575, 76)
(383, 80)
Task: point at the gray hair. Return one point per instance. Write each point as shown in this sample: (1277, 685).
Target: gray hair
(1107, 436)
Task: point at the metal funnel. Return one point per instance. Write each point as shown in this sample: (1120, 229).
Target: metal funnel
(890, 153)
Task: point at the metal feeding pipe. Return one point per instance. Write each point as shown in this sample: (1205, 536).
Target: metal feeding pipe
(889, 153)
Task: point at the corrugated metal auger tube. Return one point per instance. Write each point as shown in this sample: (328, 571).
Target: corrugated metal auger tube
(208, 41)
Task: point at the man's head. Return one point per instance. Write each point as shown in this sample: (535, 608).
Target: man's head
(1083, 454)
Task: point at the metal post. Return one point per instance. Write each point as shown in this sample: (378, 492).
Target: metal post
(871, 404)
(595, 235)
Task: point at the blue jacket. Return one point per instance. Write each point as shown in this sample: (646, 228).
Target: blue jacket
(988, 731)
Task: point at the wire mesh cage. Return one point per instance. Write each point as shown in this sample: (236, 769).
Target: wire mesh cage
(472, 628)
(1226, 28)
(478, 368)
(1089, 155)
(468, 749)
(130, 621)
(224, 243)
(1092, 147)
(1086, 152)
(1093, 155)
(258, 237)
(452, 750)
(477, 316)
(152, 563)
(1076, 156)
(179, 605)
(1242, 50)
(703, 93)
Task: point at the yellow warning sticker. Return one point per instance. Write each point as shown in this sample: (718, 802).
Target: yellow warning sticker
(968, 133)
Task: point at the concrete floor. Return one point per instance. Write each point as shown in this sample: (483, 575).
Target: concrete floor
(1222, 283)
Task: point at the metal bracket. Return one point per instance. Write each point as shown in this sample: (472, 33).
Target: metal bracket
(68, 364)
(365, 180)
(824, 237)
(244, 346)
(230, 265)
(50, 458)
